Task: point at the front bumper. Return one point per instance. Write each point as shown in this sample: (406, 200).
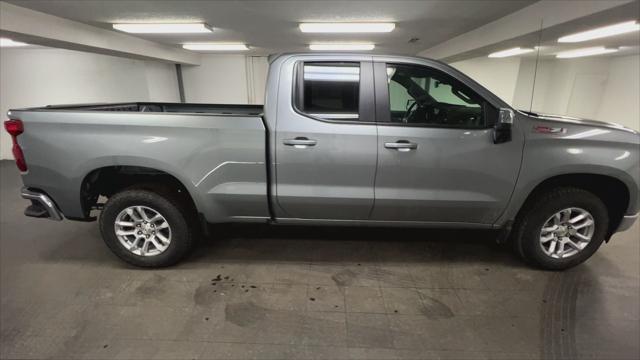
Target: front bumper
(627, 222)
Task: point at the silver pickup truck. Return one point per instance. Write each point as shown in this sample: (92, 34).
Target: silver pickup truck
(342, 139)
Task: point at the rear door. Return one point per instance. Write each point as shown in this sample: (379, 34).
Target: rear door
(326, 140)
(437, 160)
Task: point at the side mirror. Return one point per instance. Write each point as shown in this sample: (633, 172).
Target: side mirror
(502, 129)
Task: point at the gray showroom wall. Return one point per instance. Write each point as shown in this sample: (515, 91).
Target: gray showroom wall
(602, 88)
(41, 76)
(232, 79)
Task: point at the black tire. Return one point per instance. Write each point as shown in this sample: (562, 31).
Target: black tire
(539, 209)
(173, 209)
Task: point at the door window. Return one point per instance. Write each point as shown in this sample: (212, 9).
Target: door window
(424, 96)
(329, 91)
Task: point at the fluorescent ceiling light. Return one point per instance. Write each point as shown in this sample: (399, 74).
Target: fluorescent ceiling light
(4, 42)
(585, 52)
(347, 27)
(332, 73)
(163, 28)
(341, 47)
(602, 32)
(215, 47)
(510, 52)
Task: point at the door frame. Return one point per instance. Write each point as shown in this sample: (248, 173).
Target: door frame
(382, 104)
(289, 80)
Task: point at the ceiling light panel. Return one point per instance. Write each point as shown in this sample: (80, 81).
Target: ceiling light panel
(332, 73)
(375, 27)
(189, 28)
(606, 31)
(215, 47)
(4, 42)
(585, 52)
(341, 47)
(510, 52)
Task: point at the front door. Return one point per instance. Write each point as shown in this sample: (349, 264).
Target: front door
(326, 141)
(437, 160)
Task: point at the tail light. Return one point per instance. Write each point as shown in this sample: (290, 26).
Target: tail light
(15, 128)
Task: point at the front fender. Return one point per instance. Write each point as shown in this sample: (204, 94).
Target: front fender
(606, 152)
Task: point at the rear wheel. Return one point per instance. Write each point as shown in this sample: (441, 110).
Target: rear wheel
(146, 228)
(561, 228)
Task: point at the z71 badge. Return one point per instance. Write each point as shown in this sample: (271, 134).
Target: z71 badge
(541, 129)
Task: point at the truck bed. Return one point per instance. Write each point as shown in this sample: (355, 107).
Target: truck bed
(157, 107)
(218, 152)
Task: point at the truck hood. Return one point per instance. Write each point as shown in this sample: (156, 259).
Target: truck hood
(580, 121)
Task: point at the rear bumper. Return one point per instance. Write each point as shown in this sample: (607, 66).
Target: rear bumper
(41, 205)
(627, 222)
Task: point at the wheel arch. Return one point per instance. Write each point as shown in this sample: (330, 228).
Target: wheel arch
(110, 179)
(613, 192)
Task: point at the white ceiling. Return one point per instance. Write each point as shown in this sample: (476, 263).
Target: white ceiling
(271, 26)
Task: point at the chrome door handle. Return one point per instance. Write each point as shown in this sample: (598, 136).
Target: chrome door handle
(299, 142)
(401, 145)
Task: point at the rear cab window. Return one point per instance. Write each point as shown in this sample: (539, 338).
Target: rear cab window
(329, 90)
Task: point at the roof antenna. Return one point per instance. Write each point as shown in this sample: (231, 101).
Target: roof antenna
(535, 70)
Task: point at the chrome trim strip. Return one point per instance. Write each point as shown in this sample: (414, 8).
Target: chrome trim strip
(336, 116)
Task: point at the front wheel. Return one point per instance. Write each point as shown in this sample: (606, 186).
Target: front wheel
(561, 228)
(145, 228)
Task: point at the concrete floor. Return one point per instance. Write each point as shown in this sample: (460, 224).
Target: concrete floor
(308, 293)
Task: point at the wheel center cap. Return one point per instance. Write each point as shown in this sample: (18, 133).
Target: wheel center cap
(146, 228)
(562, 231)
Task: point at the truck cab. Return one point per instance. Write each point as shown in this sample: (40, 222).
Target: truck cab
(415, 135)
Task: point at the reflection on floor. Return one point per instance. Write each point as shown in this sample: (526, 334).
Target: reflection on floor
(260, 292)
